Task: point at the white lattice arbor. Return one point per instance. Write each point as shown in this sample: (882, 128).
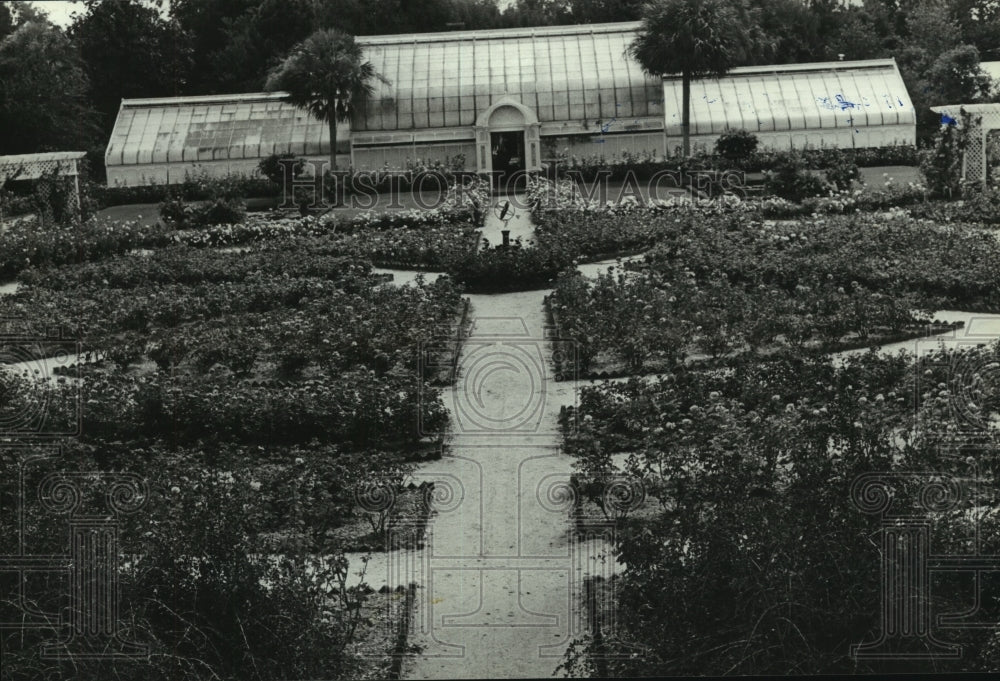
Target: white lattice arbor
(987, 119)
(34, 166)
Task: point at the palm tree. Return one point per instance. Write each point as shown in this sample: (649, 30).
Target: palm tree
(696, 38)
(326, 74)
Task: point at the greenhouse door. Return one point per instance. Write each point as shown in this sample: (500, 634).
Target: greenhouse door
(508, 159)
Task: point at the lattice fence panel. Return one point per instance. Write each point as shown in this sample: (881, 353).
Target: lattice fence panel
(976, 150)
(63, 166)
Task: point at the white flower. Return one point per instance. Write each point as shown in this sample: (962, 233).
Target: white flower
(175, 490)
(255, 486)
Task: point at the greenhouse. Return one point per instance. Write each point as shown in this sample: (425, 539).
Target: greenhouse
(848, 104)
(165, 140)
(514, 99)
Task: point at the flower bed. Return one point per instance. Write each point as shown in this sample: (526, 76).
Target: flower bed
(740, 505)
(25, 244)
(724, 285)
(182, 265)
(510, 268)
(251, 524)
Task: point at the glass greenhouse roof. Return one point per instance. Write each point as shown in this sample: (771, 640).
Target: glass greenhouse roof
(211, 128)
(848, 94)
(563, 73)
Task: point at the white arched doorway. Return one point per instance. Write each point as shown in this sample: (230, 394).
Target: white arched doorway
(507, 138)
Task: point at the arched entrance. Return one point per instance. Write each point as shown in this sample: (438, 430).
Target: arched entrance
(507, 139)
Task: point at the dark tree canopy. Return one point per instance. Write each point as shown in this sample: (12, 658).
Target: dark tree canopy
(695, 37)
(128, 51)
(44, 103)
(257, 40)
(6, 21)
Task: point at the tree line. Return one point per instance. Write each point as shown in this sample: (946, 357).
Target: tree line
(61, 89)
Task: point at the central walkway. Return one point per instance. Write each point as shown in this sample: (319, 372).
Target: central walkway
(498, 598)
(499, 594)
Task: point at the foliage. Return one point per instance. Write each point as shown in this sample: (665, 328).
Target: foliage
(44, 102)
(128, 50)
(941, 165)
(327, 75)
(509, 268)
(221, 577)
(24, 245)
(277, 166)
(646, 165)
(727, 284)
(791, 180)
(220, 211)
(747, 523)
(698, 39)
(937, 66)
(734, 145)
(843, 175)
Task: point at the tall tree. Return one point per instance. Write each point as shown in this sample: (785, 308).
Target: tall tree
(793, 29)
(937, 67)
(128, 50)
(43, 92)
(6, 21)
(24, 12)
(204, 23)
(258, 40)
(538, 13)
(855, 35)
(980, 24)
(327, 75)
(599, 11)
(695, 38)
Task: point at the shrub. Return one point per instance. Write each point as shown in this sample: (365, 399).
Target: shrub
(941, 165)
(792, 180)
(733, 145)
(843, 173)
(274, 167)
(174, 211)
(509, 268)
(221, 211)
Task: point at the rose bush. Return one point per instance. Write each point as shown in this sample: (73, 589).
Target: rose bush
(747, 524)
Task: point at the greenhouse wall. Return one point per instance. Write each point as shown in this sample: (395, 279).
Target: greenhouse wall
(608, 146)
(400, 156)
(176, 173)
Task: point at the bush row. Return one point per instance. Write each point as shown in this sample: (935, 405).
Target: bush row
(646, 164)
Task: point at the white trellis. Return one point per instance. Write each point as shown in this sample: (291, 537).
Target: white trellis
(974, 158)
(34, 166)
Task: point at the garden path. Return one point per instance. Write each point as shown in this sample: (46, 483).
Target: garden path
(497, 596)
(980, 328)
